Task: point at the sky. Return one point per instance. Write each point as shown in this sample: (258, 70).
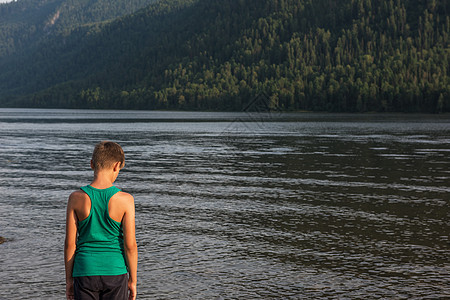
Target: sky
(4, 1)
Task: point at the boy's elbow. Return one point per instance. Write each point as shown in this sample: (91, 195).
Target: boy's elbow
(69, 245)
(69, 250)
(130, 247)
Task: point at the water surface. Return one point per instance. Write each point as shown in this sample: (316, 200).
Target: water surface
(239, 205)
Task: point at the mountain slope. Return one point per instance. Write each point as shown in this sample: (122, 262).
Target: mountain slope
(24, 22)
(358, 55)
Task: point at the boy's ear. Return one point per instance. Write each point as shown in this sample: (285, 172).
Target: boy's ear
(92, 165)
(117, 166)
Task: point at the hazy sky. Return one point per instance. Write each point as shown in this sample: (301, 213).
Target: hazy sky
(4, 1)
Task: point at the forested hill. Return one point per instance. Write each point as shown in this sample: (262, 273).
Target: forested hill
(25, 22)
(348, 55)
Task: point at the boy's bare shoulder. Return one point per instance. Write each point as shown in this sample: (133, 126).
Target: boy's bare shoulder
(125, 196)
(124, 200)
(78, 195)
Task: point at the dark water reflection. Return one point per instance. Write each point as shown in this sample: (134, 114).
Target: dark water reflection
(296, 206)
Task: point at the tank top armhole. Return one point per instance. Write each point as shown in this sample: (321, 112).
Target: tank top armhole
(84, 189)
(107, 208)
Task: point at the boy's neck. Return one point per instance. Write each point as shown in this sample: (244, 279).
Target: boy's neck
(103, 179)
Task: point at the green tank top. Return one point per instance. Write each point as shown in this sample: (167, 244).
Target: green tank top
(100, 238)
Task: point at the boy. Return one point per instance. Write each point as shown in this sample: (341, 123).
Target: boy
(97, 262)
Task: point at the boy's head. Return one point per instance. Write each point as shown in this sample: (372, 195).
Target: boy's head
(106, 154)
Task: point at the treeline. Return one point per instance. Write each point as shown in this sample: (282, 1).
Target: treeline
(323, 55)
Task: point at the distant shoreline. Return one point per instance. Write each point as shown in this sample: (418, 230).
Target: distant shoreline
(284, 112)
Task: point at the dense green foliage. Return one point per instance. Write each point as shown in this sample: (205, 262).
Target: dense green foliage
(350, 55)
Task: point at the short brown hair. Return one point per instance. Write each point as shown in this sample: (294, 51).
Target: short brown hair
(106, 154)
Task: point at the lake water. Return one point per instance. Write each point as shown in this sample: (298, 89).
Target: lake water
(239, 205)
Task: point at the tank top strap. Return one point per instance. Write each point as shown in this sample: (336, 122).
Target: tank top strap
(100, 197)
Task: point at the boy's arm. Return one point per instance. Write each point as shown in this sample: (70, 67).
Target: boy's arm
(70, 245)
(129, 237)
